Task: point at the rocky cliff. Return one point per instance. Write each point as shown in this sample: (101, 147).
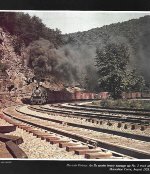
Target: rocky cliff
(13, 80)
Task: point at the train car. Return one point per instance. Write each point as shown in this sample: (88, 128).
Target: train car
(135, 95)
(131, 95)
(78, 95)
(145, 94)
(82, 95)
(103, 95)
(62, 95)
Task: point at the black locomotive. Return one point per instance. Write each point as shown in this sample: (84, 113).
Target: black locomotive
(39, 95)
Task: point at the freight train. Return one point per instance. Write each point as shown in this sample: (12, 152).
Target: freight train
(42, 95)
(135, 95)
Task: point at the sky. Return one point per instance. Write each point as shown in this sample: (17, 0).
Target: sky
(74, 21)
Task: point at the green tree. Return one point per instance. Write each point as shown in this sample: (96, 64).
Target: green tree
(114, 74)
(111, 64)
(8, 21)
(28, 29)
(132, 81)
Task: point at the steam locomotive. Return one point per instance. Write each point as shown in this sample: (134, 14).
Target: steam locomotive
(39, 95)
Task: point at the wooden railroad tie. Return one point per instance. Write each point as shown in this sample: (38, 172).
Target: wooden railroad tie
(15, 150)
(4, 153)
(76, 147)
(4, 138)
(7, 129)
(85, 151)
(119, 124)
(98, 155)
(59, 141)
(135, 126)
(62, 145)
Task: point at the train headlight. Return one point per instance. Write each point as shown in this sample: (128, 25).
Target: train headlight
(34, 95)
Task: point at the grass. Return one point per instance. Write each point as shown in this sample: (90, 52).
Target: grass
(131, 104)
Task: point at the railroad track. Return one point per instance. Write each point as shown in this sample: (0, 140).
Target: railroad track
(110, 116)
(91, 127)
(144, 112)
(130, 116)
(134, 123)
(79, 140)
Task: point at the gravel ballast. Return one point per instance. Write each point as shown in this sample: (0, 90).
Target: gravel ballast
(36, 148)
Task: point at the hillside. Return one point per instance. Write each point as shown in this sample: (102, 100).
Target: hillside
(135, 34)
(65, 59)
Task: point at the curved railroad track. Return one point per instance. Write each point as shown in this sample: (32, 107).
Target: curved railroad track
(145, 112)
(128, 121)
(75, 137)
(94, 125)
(128, 116)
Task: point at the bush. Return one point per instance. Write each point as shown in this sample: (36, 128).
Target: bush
(105, 103)
(135, 104)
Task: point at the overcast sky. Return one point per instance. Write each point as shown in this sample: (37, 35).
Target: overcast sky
(74, 21)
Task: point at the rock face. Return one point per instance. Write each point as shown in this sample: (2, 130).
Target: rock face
(16, 67)
(17, 71)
